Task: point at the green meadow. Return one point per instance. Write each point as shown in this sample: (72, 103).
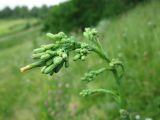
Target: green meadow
(133, 37)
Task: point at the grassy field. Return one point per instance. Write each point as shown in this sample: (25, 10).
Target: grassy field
(133, 37)
(15, 25)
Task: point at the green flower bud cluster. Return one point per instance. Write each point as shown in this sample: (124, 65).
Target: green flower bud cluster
(57, 36)
(88, 92)
(92, 74)
(50, 61)
(90, 33)
(82, 52)
(52, 57)
(115, 62)
(55, 63)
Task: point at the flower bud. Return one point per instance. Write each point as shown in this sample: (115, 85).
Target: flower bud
(43, 69)
(57, 60)
(56, 70)
(52, 53)
(37, 64)
(49, 62)
(49, 68)
(49, 46)
(45, 56)
(64, 40)
(61, 35)
(85, 93)
(90, 33)
(32, 65)
(38, 50)
(83, 57)
(50, 35)
(76, 57)
(64, 55)
(51, 73)
(60, 52)
(84, 45)
(37, 55)
(84, 50)
(77, 50)
(114, 62)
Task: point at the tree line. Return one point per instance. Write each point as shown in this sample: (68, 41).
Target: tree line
(24, 12)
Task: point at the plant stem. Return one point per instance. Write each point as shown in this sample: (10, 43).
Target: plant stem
(101, 54)
(121, 102)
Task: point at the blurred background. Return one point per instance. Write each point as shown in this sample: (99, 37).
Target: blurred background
(129, 30)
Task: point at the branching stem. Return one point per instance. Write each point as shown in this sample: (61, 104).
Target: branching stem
(121, 101)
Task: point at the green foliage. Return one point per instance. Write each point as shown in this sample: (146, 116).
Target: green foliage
(24, 12)
(78, 14)
(61, 16)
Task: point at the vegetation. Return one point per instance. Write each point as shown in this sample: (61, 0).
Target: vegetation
(13, 26)
(133, 36)
(15, 29)
(75, 15)
(24, 12)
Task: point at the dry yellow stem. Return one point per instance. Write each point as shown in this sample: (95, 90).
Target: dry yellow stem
(23, 69)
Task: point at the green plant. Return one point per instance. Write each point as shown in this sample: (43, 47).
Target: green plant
(52, 57)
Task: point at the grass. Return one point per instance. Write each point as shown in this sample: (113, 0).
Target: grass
(133, 37)
(15, 25)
